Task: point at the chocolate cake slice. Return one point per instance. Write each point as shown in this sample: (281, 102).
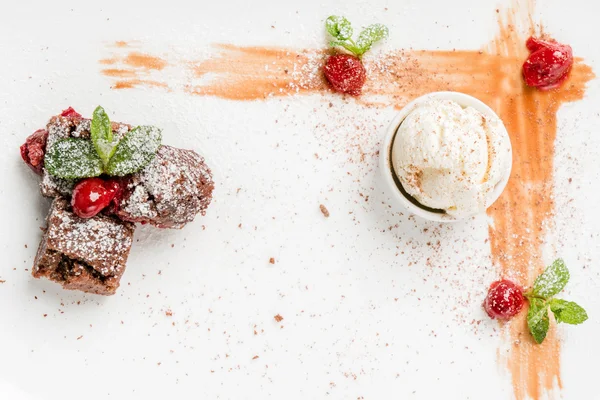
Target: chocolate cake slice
(83, 254)
(175, 187)
(169, 193)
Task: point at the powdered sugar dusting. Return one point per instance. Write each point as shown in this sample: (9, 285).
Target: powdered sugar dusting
(52, 186)
(101, 242)
(170, 191)
(135, 150)
(58, 128)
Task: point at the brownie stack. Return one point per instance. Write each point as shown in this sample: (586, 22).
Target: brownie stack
(90, 254)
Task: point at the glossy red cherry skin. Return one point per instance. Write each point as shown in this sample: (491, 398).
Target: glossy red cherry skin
(345, 73)
(115, 185)
(92, 195)
(504, 300)
(548, 64)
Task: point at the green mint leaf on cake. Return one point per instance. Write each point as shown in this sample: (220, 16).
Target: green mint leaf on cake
(102, 136)
(371, 35)
(73, 159)
(552, 281)
(339, 27)
(537, 319)
(568, 312)
(135, 151)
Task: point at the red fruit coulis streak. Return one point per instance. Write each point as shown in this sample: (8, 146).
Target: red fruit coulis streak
(548, 64)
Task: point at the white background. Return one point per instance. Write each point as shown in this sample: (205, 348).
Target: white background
(370, 309)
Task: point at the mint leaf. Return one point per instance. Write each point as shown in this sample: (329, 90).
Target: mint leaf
(537, 319)
(102, 136)
(372, 34)
(339, 27)
(568, 312)
(552, 280)
(135, 151)
(73, 158)
(348, 46)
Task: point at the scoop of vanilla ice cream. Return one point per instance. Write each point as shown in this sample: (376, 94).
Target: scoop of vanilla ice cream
(451, 158)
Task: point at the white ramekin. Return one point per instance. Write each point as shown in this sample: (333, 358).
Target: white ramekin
(391, 181)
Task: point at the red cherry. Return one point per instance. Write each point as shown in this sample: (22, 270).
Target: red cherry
(70, 112)
(534, 44)
(34, 150)
(92, 195)
(504, 300)
(115, 186)
(548, 64)
(345, 73)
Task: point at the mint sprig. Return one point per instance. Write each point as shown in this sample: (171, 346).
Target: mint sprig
(102, 136)
(341, 30)
(104, 154)
(551, 282)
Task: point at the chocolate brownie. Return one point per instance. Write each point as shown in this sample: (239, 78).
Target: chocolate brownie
(83, 254)
(175, 187)
(73, 126)
(168, 193)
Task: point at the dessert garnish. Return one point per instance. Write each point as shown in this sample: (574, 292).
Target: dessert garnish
(72, 158)
(70, 112)
(92, 195)
(104, 177)
(541, 298)
(34, 149)
(548, 64)
(505, 300)
(450, 158)
(346, 72)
